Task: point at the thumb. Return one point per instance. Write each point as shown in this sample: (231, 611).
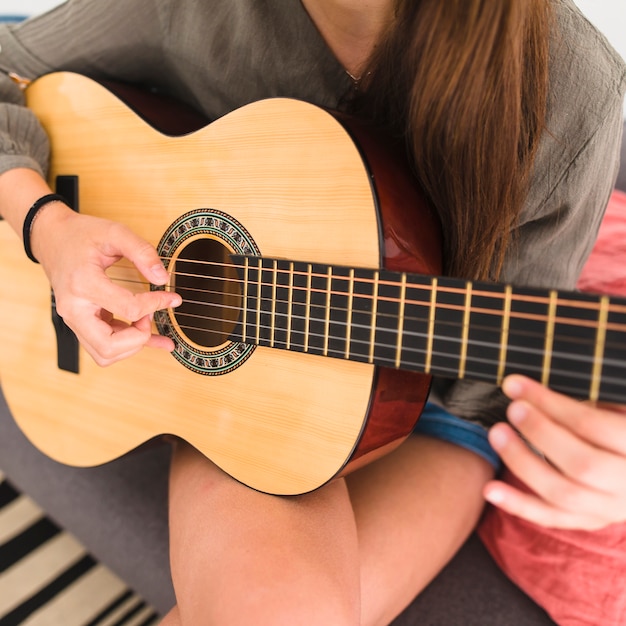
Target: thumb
(141, 254)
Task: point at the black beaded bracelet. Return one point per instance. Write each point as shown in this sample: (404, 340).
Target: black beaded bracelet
(30, 218)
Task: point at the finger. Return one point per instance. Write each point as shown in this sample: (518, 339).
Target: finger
(577, 458)
(145, 325)
(99, 290)
(99, 333)
(125, 243)
(155, 340)
(544, 479)
(110, 341)
(601, 427)
(533, 509)
(131, 345)
(160, 342)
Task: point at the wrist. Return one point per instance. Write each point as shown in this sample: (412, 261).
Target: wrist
(33, 213)
(48, 217)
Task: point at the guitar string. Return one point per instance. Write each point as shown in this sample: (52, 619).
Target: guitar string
(380, 345)
(573, 374)
(393, 331)
(513, 333)
(539, 299)
(572, 321)
(565, 298)
(408, 350)
(391, 317)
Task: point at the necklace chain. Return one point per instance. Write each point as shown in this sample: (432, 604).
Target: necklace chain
(355, 79)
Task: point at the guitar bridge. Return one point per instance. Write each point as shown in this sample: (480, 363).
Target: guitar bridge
(67, 343)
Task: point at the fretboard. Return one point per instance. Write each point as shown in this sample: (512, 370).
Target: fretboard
(572, 342)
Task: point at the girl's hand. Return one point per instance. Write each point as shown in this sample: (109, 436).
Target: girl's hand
(110, 322)
(581, 482)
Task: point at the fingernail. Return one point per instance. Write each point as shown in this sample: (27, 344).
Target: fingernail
(159, 272)
(498, 438)
(176, 301)
(517, 412)
(512, 387)
(495, 496)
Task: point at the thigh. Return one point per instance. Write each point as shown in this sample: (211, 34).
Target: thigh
(414, 508)
(241, 557)
(358, 550)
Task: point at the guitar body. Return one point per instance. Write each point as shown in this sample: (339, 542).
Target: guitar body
(289, 172)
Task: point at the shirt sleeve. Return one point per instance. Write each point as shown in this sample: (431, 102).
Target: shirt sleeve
(23, 143)
(102, 39)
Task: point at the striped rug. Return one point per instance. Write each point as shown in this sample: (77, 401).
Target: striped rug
(48, 579)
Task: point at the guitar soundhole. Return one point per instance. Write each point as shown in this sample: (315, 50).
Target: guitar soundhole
(205, 278)
(196, 250)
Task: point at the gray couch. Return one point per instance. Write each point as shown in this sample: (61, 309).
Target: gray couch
(119, 511)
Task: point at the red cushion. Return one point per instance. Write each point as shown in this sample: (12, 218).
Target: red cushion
(605, 271)
(578, 577)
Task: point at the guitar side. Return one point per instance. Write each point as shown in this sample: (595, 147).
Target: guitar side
(283, 422)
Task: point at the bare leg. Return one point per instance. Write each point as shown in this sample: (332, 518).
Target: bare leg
(414, 509)
(242, 557)
(337, 556)
(171, 619)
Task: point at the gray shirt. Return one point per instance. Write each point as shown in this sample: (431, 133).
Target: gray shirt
(220, 54)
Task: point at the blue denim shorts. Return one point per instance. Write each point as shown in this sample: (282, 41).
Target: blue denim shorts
(436, 422)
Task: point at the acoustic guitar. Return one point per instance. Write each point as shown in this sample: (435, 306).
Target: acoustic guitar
(313, 315)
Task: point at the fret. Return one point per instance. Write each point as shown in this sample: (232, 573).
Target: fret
(273, 303)
(289, 305)
(307, 318)
(372, 340)
(299, 317)
(504, 334)
(259, 300)
(612, 387)
(417, 323)
(361, 314)
(329, 283)
(527, 332)
(338, 318)
(388, 337)
(573, 345)
(244, 313)
(450, 314)
(282, 294)
(465, 331)
(401, 307)
(349, 313)
(549, 342)
(487, 337)
(316, 341)
(251, 303)
(431, 326)
(596, 378)
(266, 305)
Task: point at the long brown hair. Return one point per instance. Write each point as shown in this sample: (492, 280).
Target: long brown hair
(465, 83)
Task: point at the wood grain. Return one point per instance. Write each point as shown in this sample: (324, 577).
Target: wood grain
(283, 422)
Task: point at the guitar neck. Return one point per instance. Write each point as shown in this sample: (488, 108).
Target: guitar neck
(573, 342)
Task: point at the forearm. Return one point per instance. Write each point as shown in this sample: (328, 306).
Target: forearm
(19, 188)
